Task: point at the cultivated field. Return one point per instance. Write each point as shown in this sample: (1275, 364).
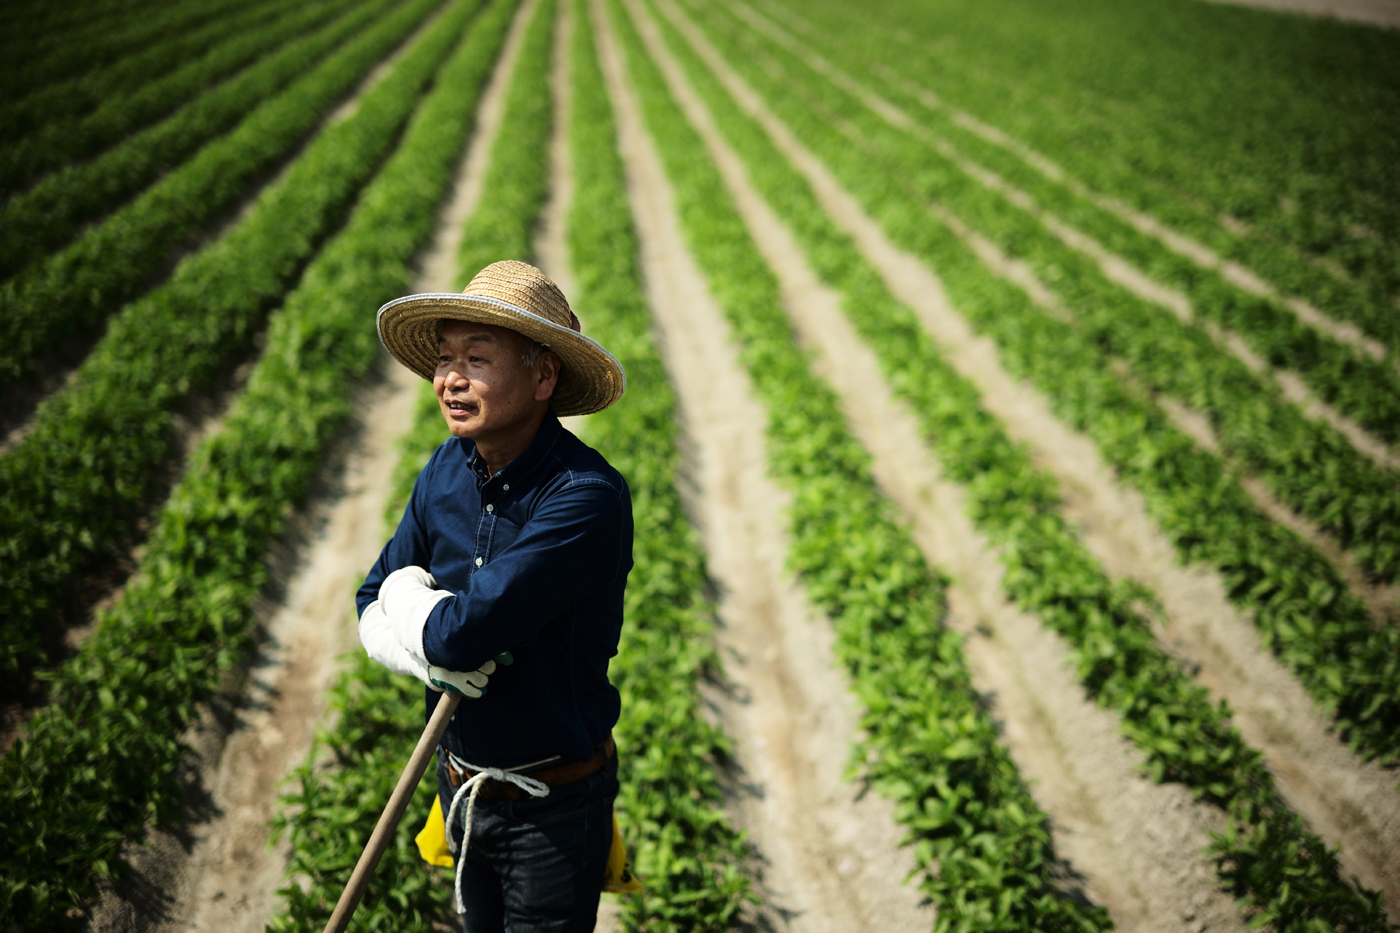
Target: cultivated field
(1013, 429)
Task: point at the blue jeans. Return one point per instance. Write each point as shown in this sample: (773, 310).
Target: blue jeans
(535, 864)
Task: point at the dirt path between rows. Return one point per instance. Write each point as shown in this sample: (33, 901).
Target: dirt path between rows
(1350, 803)
(1384, 13)
(199, 417)
(552, 256)
(1343, 331)
(828, 854)
(1136, 843)
(218, 874)
(1113, 267)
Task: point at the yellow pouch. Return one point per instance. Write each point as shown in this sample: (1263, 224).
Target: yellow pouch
(432, 841)
(432, 846)
(618, 878)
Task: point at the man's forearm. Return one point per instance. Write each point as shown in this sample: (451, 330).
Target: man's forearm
(377, 636)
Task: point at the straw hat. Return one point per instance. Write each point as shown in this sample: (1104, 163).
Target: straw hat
(519, 297)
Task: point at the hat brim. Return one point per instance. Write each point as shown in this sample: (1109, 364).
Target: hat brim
(591, 378)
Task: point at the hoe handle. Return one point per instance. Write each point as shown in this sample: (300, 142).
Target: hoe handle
(389, 819)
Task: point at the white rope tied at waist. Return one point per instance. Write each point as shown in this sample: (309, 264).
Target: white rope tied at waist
(471, 787)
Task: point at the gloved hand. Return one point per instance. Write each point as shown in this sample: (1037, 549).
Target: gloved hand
(408, 595)
(377, 635)
(471, 684)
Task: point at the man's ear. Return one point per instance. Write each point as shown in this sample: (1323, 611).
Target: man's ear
(547, 368)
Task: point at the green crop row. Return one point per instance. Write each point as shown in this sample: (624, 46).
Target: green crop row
(669, 802)
(51, 213)
(1364, 388)
(70, 100)
(1115, 145)
(75, 488)
(338, 795)
(44, 52)
(111, 262)
(185, 623)
(929, 742)
(1244, 136)
(24, 22)
(1307, 464)
(335, 802)
(1301, 607)
(1286, 873)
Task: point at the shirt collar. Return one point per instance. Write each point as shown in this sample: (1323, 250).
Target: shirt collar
(525, 464)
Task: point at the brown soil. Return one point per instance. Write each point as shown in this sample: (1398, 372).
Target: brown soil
(1342, 331)
(218, 873)
(1111, 823)
(1350, 803)
(1372, 12)
(828, 853)
(1114, 267)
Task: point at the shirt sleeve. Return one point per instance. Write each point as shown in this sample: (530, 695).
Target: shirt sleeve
(408, 546)
(570, 544)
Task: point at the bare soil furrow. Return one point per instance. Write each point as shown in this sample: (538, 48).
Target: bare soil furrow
(218, 874)
(1111, 823)
(19, 405)
(1382, 600)
(551, 240)
(1342, 331)
(551, 243)
(828, 853)
(1202, 255)
(1349, 802)
(1114, 267)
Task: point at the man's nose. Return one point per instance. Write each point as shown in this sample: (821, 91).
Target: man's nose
(455, 376)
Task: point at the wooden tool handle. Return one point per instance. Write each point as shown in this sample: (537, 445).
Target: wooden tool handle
(389, 819)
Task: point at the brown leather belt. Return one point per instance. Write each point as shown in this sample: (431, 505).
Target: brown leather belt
(549, 777)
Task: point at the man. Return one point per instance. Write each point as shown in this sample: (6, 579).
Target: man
(514, 548)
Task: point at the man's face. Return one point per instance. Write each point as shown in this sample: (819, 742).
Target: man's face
(484, 389)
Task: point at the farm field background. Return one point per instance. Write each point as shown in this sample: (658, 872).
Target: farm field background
(1013, 426)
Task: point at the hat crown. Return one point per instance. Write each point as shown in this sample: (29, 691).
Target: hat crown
(522, 285)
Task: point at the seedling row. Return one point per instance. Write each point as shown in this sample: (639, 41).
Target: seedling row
(281, 290)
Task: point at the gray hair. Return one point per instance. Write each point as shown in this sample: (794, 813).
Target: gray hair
(530, 350)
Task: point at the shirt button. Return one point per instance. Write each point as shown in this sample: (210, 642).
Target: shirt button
(490, 508)
(505, 487)
(478, 561)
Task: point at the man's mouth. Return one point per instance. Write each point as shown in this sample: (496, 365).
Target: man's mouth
(459, 406)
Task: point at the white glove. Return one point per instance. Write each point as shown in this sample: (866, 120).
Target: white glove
(408, 596)
(377, 635)
(470, 685)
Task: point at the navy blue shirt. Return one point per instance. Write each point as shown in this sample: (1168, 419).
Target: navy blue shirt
(536, 557)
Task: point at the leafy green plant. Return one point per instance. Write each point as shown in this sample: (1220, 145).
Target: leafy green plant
(54, 211)
(1287, 874)
(57, 42)
(1273, 154)
(1297, 600)
(691, 859)
(670, 802)
(57, 123)
(929, 743)
(185, 621)
(75, 489)
(112, 262)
